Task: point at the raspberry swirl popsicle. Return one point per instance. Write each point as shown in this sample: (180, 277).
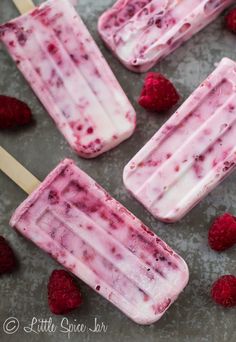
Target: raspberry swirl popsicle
(192, 153)
(55, 52)
(142, 32)
(76, 221)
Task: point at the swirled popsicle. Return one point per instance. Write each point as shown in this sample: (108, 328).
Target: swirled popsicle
(142, 32)
(95, 237)
(192, 153)
(57, 55)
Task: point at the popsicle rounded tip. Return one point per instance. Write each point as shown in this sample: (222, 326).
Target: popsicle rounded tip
(100, 146)
(169, 218)
(138, 68)
(186, 274)
(126, 171)
(172, 217)
(100, 23)
(228, 61)
(87, 152)
(142, 319)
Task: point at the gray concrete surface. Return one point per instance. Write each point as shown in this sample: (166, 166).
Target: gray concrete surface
(194, 317)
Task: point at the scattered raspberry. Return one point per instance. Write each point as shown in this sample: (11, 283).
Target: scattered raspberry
(223, 291)
(7, 257)
(231, 20)
(158, 93)
(13, 112)
(222, 234)
(63, 294)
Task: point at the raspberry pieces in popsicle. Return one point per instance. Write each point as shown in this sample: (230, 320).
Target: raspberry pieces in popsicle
(141, 33)
(57, 55)
(192, 152)
(91, 234)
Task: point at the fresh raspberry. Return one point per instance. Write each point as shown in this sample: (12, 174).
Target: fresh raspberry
(231, 20)
(222, 234)
(63, 294)
(13, 112)
(7, 257)
(158, 93)
(223, 291)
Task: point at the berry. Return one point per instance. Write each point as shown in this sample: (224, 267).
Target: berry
(231, 20)
(13, 112)
(7, 257)
(53, 197)
(63, 293)
(158, 93)
(222, 234)
(223, 291)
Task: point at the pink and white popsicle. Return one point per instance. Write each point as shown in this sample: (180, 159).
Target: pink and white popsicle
(57, 55)
(192, 153)
(142, 32)
(95, 237)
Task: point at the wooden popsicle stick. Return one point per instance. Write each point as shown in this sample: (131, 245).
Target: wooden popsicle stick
(14, 170)
(24, 6)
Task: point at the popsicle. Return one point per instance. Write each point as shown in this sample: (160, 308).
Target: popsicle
(142, 32)
(192, 153)
(95, 237)
(57, 55)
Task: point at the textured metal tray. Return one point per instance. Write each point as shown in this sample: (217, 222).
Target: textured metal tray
(194, 317)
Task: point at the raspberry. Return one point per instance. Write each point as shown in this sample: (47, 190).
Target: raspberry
(231, 20)
(7, 257)
(63, 294)
(223, 291)
(53, 197)
(13, 112)
(158, 93)
(222, 234)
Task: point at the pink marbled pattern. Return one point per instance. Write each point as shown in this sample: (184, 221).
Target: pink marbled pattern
(192, 153)
(142, 32)
(57, 55)
(86, 230)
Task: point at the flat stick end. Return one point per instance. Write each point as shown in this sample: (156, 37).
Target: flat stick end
(15, 171)
(24, 6)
